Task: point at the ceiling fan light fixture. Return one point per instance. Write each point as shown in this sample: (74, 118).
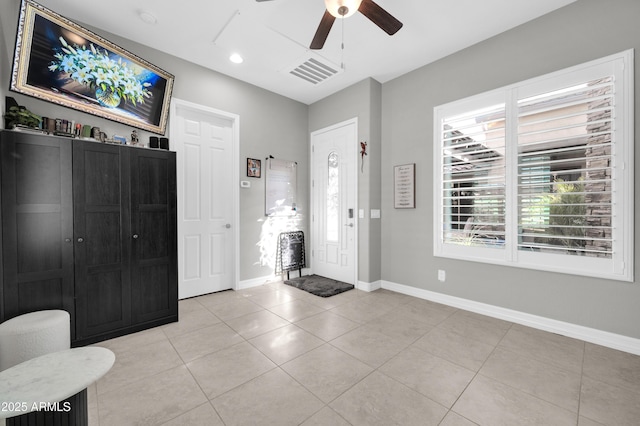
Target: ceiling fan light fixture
(342, 8)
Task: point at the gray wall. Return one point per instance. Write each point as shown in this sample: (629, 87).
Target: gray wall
(582, 31)
(270, 124)
(362, 100)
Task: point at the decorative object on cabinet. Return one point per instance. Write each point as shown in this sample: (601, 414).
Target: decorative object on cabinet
(154, 142)
(253, 167)
(19, 116)
(55, 60)
(89, 228)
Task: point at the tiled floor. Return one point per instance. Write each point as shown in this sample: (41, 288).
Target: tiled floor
(274, 355)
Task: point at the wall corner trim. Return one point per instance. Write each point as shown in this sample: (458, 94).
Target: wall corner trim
(598, 337)
(368, 287)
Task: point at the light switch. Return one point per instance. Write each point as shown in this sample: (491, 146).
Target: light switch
(361, 213)
(245, 184)
(375, 213)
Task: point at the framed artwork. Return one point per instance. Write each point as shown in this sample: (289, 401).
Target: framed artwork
(253, 167)
(61, 62)
(404, 187)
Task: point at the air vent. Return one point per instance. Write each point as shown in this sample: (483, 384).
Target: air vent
(314, 71)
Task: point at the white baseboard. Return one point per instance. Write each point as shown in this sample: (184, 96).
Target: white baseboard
(598, 337)
(369, 286)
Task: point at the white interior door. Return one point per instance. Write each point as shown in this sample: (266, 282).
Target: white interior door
(334, 190)
(207, 232)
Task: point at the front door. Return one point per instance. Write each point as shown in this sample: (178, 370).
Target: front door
(334, 209)
(207, 232)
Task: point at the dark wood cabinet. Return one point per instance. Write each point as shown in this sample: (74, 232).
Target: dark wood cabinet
(37, 225)
(89, 228)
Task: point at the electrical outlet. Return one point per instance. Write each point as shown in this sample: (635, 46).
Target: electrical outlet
(442, 275)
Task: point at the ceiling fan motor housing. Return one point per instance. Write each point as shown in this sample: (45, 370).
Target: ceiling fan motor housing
(342, 8)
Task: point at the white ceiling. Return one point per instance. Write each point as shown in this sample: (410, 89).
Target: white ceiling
(273, 37)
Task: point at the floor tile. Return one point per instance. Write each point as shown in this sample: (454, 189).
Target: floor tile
(198, 343)
(561, 351)
(257, 323)
(274, 354)
(607, 404)
(427, 312)
(435, 378)
(487, 402)
(327, 325)
(360, 311)
(122, 344)
(268, 299)
(234, 308)
(189, 305)
(127, 368)
(203, 415)
(326, 417)
(296, 310)
(228, 368)
(613, 367)
(388, 297)
(327, 372)
(398, 324)
(380, 400)
(189, 321)
(273, 398)
(286, 343)
(540, 379)
(152, 400)
(461, 350)
(369, 346)
(430, 312)
(476, 327)
(453, 419)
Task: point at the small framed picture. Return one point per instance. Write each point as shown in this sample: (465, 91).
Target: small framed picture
(253, 167)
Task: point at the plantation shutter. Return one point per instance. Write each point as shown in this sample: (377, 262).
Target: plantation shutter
(473, 178)
(564, 170)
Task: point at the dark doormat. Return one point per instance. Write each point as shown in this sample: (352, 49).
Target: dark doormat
(320, 286)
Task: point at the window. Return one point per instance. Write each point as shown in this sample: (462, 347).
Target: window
(333, 200)
(540, 174)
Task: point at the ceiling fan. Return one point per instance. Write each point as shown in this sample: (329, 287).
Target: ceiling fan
(344, 9)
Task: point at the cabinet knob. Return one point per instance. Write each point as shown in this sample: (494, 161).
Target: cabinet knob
(135, 236)
(80, 240)
(228, 225)
(67, 240)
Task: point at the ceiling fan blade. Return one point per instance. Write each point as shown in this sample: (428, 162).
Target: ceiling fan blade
(323, 31)
(380, 17)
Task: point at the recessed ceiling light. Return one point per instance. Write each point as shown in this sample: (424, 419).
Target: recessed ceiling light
(236, 58)
(147, 17)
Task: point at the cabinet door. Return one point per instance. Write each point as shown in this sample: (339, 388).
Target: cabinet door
(154, 235)
(37, 221)
(101, 230)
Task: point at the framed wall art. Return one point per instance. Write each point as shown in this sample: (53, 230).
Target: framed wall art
(254, 168)
(404, 186)
(61, 62)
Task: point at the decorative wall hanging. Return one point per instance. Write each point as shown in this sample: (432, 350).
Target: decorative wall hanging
(61, 62)
(254, 167)
(363, 152)
(404, 177)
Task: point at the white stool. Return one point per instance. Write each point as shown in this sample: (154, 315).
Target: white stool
(34, 334)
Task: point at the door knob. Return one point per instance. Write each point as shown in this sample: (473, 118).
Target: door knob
(228, 225)
(350, 225)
